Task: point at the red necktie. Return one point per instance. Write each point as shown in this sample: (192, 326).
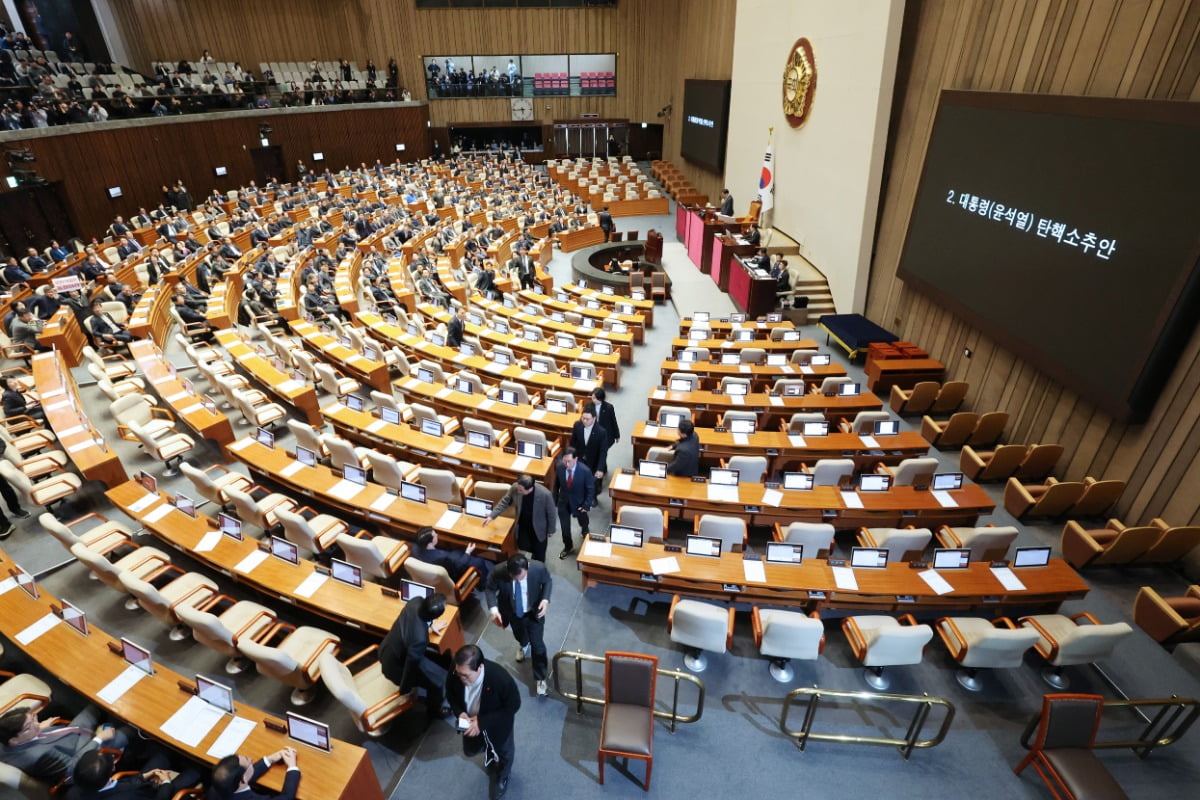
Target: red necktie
(570, 475)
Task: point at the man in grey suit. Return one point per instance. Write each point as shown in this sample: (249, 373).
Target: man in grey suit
(537, 518)
(48, 752)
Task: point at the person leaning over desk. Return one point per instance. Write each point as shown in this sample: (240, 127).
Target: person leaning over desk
(686, 462)
(537, 517)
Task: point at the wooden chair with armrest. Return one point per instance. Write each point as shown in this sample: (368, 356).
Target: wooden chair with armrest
(1000, 464)
(1053, 498)
(1061, 753)
(373, 701)
(953, 433)
(917, 400)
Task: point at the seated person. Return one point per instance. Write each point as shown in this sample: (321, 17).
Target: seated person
(232, 776)
(426, 549)
(16, 403)
(15, 273)
(25, 330)
(106, 330)
(47, 751)
(190, 317)
(93, 779)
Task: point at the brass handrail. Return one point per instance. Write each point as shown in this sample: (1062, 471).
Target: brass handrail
(906, 745)
(1175, 716)
(580, 698)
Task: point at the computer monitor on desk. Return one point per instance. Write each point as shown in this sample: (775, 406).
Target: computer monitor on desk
(652, 469)
(529, 449)
(229, 526)
(556, 406)
(309, 732)
(868, 557)
(1025, 557)
(305, 456)
(137, 656)
(887, 427)
(670, 420)
(946, 481)
(849, 390)
(74, 617)
(284, 550)
(345, 572)
(745, 426)
(217, 695)
(389, 415)
(724, 477)
(869, 482)
(479, 439)
(412, 491)
(784, 553)
(626, 535)
(411, 590)
(816, 429)
(819, 360)
(706, 546)
(802, 481)
(477, 507)
(951, 558)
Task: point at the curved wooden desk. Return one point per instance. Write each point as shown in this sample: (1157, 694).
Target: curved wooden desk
(186, 405)
(349, 361)
(299, 395)
(594, 299)
(761, 376)
(707, 407)
(622, 342)
(561, 301)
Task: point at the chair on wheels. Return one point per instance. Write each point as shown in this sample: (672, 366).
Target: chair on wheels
(1062, 752)
(1065, 642)
(627, 728)
(699, 627)
(379, 557)
(879, 641)
(916, 472)
(784, 635)
(977, 643)
(731, 531)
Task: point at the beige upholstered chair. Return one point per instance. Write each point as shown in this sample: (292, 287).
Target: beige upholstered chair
(700, 627)
(730, 530)
(294, 661)
(984, 644)
(143, 562)
(988, 543)
(902, 544)
(652, 521)
(1174, 543)
(1050, 499)
(911, 472)
(1115, 543)
(1065, 641)
(378, 557)
(917, 400)
(221, 632)
(372, 700)
(1000, 464)
(1168, 620)
(784, 635)
(953, 433)
(879, 641)
(185, 589)
(817, 538)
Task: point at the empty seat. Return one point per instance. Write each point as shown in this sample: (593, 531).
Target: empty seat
(879, 641)
(832, 471)
(436, 576)
(1065, 641)
(750, 469)
(917, 400)
(143, 562)
(211, 482)
(372, 700)
(784, 635)
(1053, 498)
(1038, 462)
(312, 533)
(699, 627)
(1062, 750)
(102, 538)
(990, 543)
(991, 465)
(627, 727)
(988, 429)
(185, 589)
(1115, 543)
(294, 660)
(950, 397)
(378, 557)
(1174, 543)
(1098, 497)
(817, 538)
(953, 433)
(984, 644)
(1168, 620)
(902, 544)
(916, 472)
(221, 632)
(864, 422)
(730, 530)
(652, 521)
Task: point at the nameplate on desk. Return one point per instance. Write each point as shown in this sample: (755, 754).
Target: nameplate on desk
(309, 585)
(156, 514)
(843, 578)
(252, 560)
(944, 499)
(115, 689)
(852, 500)
(935, 581)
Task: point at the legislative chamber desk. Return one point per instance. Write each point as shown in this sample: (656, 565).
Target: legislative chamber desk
(187, 406)
(594, 299)
(686, 498)
(366, 609)
(456, 404)
(725, 247)
(622, 342)
(299, 395)
(884, 373)
(707, 407)
(811, 585)
(752, 290)
(761, 327)
(87, 665)
(762, 377)
(783, 450)
(731, 346)
(562, 302)
(66, 416)
(348, 361)
(372, 506)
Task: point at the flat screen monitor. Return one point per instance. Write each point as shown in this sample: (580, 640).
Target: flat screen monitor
(355, 474)
(785, 553)
(309, 731)
(508, 396)
(724, 477)
(187, 386)
(670, 419)
(737, 318)
(477, 507)
(777, 359)
(868, 557)
(697, 334)
(946, 481)
(743, 335)
(625, 535)
(353, 402)
(562, 297)
(775, 316)
(562, 341)
(816, 429)
(593, 305)
(618, 327)
(582, 373)
(626, 308)
(412, 491)
(502, 327)
(437, 339)
(529, 449)
(345, 342)
(687, 356)
(951, 558)
(798, 480)
(680, 385)
(370, 353)
(652, 469)
(703, 546)
(556, 406)
(217, 695)
(466, 350)
(741, 426)
(345, 572)
(431, 427)
(887, 427)
(501, 358)
(229, 526)
(531, 335)
(874, 483)
(463, 385)
(1031, 557)
(305, 456)
(540, 367)
(74, 617)
(411, 590)
(819, 360)
(479, 439)
(412, 330)
(424, 375)
(185, 504)
(607, 290)
(284, 550)
(508, 303)
(701, 316)
(264, 437)
(474, 318)
(389, 415)
(849, 389)
(737, 389)
(793, 389)
(587, 323)
(137, 656)
(790, 336)
(730, 359)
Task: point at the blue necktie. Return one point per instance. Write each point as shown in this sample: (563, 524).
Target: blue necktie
(518, 600)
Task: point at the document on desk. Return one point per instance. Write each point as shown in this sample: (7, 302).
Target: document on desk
(602, 549)
(526, 375)
(383, 502)
(115, 689)
(71, 431)
(289, 386)
(776, 400)
(345, 490)
(241, 444)
(207, 542)
(651, 431)
(722, 494)
(252, 560)
(376, 426)
(584, 385)
(334, 408)
(538, 415)
(192, 722)
(7, 585)
(35, 630)
(737, 399)
(291, 469)
(659, 394)
(843, 578)
(192, 409)
(448, 519)
(443, 393)
(486, 403)
(745, 368)
(1008, 579)
(230, 740)
(869, 442)
(58, 405)
(805, 369)
(309, 585)
(158, 513)
(685, 366)
(521, 463)
(935, 581)
(772, 497)
(852, 500)
(795, 441)
(623, 482)
(787, 369)
(742, 439)
(944, 499)
(755, 571)
(664, 566)
(84, 445)
(143, 503)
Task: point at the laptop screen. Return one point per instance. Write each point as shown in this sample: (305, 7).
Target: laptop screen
(703, 546)
(412, 491)
(284, 550)
(868, 557)
(345, 572)
(477, 507)
(784, 553)
(582, 373)
(508, 396)
(540, 366)
(793, 389)
(874, 483)
(730, 358)
(479, 439)
(625, 535)
(1031, 557)
(701, 316)
(816, 429)
(463, 385)
(501, 358)
(652, 469)
(424, 375)
(951, 558)
(946, 481)
(737, 389)
(776, 359)
(797, 480)
(437, 339)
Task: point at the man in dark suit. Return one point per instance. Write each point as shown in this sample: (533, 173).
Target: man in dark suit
(591, 442)
(576, 490)
(606, 223)
(606, 415)
(518, 594)
(232, 776)
(536, 514)
(93, 780)
(49, 752)
(686, 462)
(526, 272)
(456, 327)
(726, 203)
(405, 657)
(754, 236)
(455, 562)
(485, 700)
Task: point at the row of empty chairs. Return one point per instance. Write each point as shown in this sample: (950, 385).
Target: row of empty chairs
(1118, 544)
(1025, 462)
(929, 397)
(1170, 620)
(1054, 498)
(965, 428)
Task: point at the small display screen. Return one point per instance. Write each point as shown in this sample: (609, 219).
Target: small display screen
(309, 732)
(1031, 557)
(355, 474)
(874, 483)
(784, 553)
(230, 526)
(946, 481)
(652, 469)
(625, 535)
(477, 507)
(306, 457)
(947, 558)
(797, 480)
(345, 572)
(412, 491)
(186, 504)
(265, 438)
(479, 439)
(215, 694)
(137, 656)
(816, 429)
(703, 546)
(411, 590)
(431, 427)
(529, 449)
(284, 550)
(888, 427)
(724, 477)
(868, 557)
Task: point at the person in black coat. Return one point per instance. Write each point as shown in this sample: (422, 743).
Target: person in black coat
(95, 769)
(606, 415)
(17, 404)
(405, 657)
(232, 776)
(606, 223)
(591, 442)
(456, 327)
(575, 489)
(485, 699)
(686, 462)
(455, 562)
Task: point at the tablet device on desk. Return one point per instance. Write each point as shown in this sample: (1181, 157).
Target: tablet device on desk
(587, 323)
(424, 375)
(946, 481)
(508, 303)
(148, 482)
(562, 297)
(703, 546)
(370, 353)
(784, 553)
(437, 339)
(627, 308)
(353, 402)
(529, 449)
(602, 347)
(531, 336)
(188, 387)
(887, 427)
(265, 438)
(593, 305)
(502, 327)
(305, 456)
(793, 389)
(466, 350)
(412, 330)
(724, 477)
(738, 318)
(477, 507)
(412, 491)
(508, 396)
(737, 389)
(652, 469)
(618, 327)
(74, 617)
(608, 290)
(741, 426)
(345, 342)
(582, 373)
(743, 335)
(819, 360)
(389, 415)
(208, 404)
(411, 590)
(431, 427)
(309, 731)
(215, 694)
(951, 558)
(355, 474)
(345, 572)
(626, 535)
(137, 656)
(540, 367)
(791, 336)
(701, 316)
(556, 406)
(849, 390)
(670, 420)
(185, 504)
(775, 316)
(229, 526)
(777, 359)
(697, 334)
(729, 359)
(479, 439)
(874, 483)
(816, 429)
(562, 341)
(501, 358)
(680, 385)
(868, 557)
(463, 385)
(798, 480)
(1031, 557)
(284, 550)
(474, 319)
(686, 356)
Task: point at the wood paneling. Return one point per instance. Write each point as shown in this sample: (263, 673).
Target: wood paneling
(141, 158)
(1110, 48)
(658, 44)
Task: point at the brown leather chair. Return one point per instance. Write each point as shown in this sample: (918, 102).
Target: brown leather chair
(1113, 544)
(1000, 464)
(917, 400)
(989, 429)
(1174, 543)
(1168, 620)
(1098, 497)
(627, 729)
(1062, 751)
(1039, 462)
(1053, 498)
(950, 398)
(953, 433)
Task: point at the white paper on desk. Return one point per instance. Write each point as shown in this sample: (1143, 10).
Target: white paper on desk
(852, 500)
(207, 542)
(334, 408)
(376, 426)
(787, 369)
(486, 403)
(454, 448)
(658, 394)
(795, 441)
(345, 490)
(192, 722)
(58, 405)
(664, 566)
(448, 519)
(289, 386)
(585, 385)
(746, 368)
(1008, 579)
(935, 581)
(71, 431)
(527, 374)
(944, 499)
(722, 494)
(742, 439)
(383, 502)
(252, 560)
(35, 630)
(805, 369)
(143, 503)
(84, 445)
(651, 431)
(591, 548)
(776, 400)
(118, 686)
(843, 578)
(772, 497)
(175, 398)
(755, 571)
(686, 366)
(521, 463)
(869, 441)
(291, 469)
(737, 399)
(623, 482)
(55, 393)
(192, 409)
(442, 393)
(309, 585)
(538, 414)
(231, 739)
(241, 444)
(158, 513)
(7, 585)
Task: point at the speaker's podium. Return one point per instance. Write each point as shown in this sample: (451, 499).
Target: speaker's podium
(752, 289)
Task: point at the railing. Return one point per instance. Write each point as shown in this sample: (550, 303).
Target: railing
(923, 703)
(580, 698)
(1175, 716)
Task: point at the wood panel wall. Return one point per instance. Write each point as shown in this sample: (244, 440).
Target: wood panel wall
(142, 158)
(1108, 48)
(658, 43)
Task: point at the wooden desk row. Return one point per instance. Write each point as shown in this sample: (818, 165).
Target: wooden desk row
(622, 343)
(299, 395)
(562, 302)
(187, 406)
(593, 298)
(348, 361)
(731, 346)
(762, 328)
(707, 407)
(87, 665)
(761, 376)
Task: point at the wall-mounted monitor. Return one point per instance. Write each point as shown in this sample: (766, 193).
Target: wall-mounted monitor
(705, 122)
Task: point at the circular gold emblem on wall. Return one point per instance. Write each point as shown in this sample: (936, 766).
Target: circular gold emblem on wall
(799, 83)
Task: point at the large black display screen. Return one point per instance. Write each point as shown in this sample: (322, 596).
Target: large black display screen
(705, 122)
(1067, 228)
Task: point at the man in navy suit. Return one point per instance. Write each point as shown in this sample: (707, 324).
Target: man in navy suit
(455, 562)
(518, 595)
(576, 492)
(232, 776)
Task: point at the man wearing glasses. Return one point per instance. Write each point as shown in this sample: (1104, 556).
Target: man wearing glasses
(485, 700)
